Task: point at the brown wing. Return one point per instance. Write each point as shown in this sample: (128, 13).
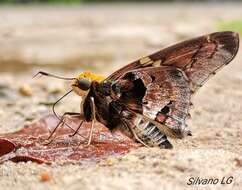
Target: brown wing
(160, 89)
(162, 95)
(198, 58)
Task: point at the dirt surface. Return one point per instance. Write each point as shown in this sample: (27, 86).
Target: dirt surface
(102, 38)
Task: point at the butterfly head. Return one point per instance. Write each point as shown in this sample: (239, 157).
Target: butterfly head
(82, 83)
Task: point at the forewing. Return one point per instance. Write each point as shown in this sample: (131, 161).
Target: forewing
(198, 58)
(159, 86)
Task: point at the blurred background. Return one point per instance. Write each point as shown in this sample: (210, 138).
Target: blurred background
(91, 34)
(66, 37)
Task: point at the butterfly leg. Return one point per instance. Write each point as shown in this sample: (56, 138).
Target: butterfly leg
(126, 121)
(93, 121)
(134, 133)
(77, 129)
(137, 138)
(60, 124)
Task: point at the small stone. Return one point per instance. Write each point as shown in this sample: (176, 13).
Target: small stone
(180, 168)
(238, 162)
(45, 176)
(217, 134)
(155, 164)
(108, 162)
(25, 90)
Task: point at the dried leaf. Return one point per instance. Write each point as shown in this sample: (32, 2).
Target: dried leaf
(28, 144)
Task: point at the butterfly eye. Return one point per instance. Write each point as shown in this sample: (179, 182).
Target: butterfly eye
(84, 84)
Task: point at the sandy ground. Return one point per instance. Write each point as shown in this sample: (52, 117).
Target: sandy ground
(102, 38)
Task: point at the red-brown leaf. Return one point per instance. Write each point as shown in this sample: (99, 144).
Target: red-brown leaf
(28, 143)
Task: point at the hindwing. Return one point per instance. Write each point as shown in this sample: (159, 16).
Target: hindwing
(162, 95)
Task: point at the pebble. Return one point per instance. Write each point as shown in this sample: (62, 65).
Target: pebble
(238, 162)
(180, 168)
(108, 162)
(45, 176)
(25, 90)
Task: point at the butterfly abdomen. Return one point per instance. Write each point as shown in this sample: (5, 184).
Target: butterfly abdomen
(150, 134)
(137, 127)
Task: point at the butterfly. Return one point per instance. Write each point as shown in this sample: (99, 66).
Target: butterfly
(149, 99)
